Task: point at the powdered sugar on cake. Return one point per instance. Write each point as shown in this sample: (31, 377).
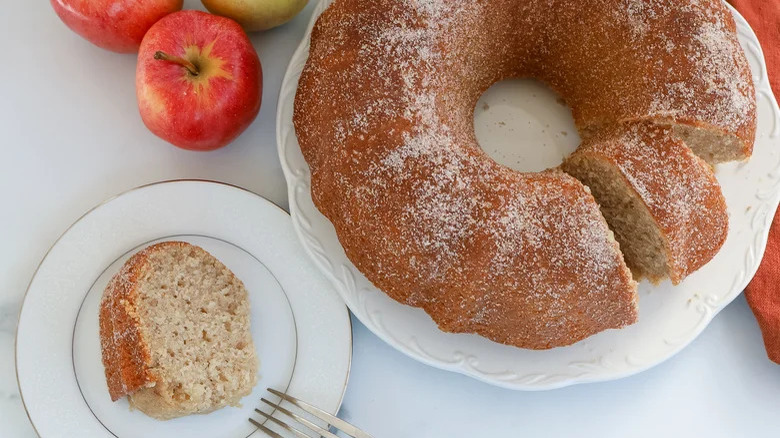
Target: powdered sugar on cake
(722, 69)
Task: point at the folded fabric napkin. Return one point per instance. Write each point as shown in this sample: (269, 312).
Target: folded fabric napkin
(763, 292)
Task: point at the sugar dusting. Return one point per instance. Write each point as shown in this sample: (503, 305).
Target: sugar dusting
(384, 118)
(124, 353)
(722, 74)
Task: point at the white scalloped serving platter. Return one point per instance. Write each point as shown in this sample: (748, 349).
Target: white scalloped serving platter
(670, 316)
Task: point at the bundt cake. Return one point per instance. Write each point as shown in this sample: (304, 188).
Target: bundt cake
(384, 118)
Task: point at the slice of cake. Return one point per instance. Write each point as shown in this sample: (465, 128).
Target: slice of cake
(661, 200)
(174, 332)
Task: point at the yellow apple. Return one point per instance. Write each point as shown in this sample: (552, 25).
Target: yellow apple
(256, 14)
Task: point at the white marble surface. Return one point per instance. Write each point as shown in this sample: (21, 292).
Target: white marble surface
(71, 137)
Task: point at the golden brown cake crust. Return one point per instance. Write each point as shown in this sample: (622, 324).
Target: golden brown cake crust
(126, 356)
(384, 118)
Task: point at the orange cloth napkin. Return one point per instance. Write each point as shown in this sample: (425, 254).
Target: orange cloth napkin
(763, 292)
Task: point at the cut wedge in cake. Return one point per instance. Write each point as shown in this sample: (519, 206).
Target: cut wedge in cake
(175, 333)
(660, 199)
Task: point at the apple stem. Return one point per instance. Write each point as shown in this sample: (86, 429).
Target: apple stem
(191, 68)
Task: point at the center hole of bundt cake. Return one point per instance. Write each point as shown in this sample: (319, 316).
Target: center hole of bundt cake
(524, 125)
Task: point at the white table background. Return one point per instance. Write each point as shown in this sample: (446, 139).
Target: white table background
(71, 136)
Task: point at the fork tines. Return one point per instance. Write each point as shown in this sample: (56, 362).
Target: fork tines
(316, 412)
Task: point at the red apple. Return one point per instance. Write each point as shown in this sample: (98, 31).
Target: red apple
(198, 80)
(117, 25)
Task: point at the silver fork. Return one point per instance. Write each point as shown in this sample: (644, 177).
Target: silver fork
(336, 422)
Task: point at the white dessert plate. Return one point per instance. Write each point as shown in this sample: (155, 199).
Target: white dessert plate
(516, 113)
(301, 328)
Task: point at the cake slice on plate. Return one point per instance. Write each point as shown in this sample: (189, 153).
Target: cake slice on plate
(175, 333)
